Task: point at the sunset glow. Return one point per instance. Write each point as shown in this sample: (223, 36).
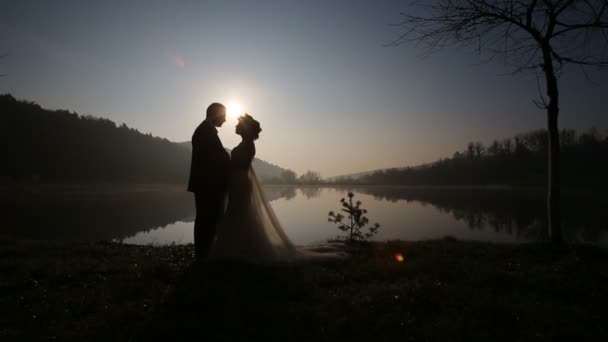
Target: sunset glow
(234, 110)
(149, 67)
(304, 170)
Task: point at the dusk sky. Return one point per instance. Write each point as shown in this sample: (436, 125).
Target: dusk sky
(330, 95)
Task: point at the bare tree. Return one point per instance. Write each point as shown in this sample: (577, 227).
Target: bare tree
(541, 36)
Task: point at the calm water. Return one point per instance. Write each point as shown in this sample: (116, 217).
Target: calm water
(164, 215)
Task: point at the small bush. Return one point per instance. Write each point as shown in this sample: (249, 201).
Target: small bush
(355, 221)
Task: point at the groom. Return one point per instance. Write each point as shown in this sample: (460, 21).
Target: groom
(209, 172)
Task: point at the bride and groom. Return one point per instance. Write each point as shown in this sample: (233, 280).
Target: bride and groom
(246, 228)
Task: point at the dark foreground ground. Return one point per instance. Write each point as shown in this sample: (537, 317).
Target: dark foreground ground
(444, 290)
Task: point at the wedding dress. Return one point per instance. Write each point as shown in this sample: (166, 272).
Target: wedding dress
(249, 229)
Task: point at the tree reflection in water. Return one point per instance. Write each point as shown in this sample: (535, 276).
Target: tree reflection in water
(90, 213)
(516, 211)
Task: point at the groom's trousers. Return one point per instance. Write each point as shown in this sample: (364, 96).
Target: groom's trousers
(209, 209)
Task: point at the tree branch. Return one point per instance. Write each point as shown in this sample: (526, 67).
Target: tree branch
(516, 29)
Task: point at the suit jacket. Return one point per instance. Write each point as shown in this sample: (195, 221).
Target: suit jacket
(210, 166)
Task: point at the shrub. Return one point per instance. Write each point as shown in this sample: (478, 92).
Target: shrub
(355, 221)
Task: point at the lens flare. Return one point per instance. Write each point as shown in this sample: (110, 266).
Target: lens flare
(399, 257)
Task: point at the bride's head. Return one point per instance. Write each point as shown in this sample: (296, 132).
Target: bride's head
(248, 127)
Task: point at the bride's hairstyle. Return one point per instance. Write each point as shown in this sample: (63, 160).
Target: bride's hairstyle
(249, 126)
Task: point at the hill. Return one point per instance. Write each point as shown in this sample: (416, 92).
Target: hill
(58, 146)
(264, 169)
(350, 176)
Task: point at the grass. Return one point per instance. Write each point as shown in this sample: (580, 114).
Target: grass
(443, 290)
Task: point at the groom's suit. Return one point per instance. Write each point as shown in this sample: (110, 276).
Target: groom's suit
(209, 175)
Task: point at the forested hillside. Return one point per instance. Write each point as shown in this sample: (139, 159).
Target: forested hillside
(58, 146)
(521, 160)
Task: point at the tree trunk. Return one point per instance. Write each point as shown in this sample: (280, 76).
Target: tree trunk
(553, 182)
(553, 190)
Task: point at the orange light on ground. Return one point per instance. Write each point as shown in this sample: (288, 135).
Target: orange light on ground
(399, 257)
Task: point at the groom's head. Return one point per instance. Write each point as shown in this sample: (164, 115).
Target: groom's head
(216, 114)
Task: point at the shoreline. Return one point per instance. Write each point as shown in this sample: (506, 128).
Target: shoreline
(441, 289)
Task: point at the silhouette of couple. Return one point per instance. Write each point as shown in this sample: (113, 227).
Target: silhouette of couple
(247, 228)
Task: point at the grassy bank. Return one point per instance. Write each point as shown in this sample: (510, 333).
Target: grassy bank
(442, 290)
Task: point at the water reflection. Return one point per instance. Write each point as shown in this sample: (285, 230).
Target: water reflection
(161, 215)
(180, 232)
(516, 211)
(91, 213)
(311, 191)
(274, 192)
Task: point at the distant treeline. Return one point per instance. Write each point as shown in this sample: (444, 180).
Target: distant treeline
(40, 145)
(521, 160)
(288, 176)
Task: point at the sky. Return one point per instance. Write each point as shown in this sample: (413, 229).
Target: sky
(330, 95)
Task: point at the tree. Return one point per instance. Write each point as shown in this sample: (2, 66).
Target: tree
(310, 177)
(541, 36)
(288, 176)
(355, 220)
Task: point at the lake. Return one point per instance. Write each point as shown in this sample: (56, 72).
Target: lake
(158, 215)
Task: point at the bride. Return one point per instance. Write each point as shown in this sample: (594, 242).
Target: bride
(249, 229)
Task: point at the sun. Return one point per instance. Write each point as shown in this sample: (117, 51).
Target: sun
(234, 109)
